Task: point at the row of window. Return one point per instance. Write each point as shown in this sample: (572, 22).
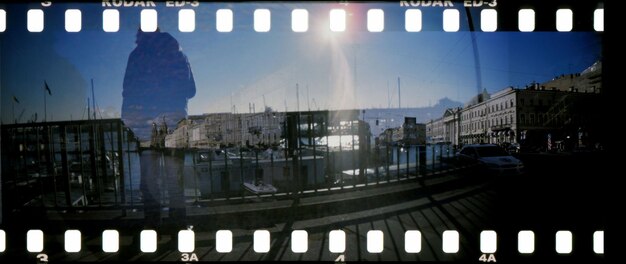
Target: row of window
(488, 123)
(539, 119)
(532, 102)
(492, 109)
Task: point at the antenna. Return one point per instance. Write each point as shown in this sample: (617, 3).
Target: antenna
(264, 105)
(308, 102)
(388, 96)
(399, 95)
(297, 98)
(88, 110)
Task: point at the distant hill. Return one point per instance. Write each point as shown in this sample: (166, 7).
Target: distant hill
(394, 117)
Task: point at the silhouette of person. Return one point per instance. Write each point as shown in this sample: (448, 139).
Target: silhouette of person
(157, 85)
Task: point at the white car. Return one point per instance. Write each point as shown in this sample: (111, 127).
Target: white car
(491, 157)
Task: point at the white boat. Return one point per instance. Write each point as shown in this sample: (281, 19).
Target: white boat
(260, 188)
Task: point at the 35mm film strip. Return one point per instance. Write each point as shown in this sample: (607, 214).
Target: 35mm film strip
(299, 17)
(184, 131)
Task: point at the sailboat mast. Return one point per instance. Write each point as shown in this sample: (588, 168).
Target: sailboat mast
(93, 101)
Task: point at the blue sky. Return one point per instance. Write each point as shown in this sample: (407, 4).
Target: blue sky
(245, 67)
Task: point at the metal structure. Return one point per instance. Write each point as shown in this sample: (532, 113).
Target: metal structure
(68, 164)
(94, 164)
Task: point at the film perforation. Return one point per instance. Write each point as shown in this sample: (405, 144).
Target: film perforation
(224, 241)
(35, 20)
(300, 20)
(413, 20)
(488, 241)
(224, 20)
(186, 20)
(451, 20)
(262, 20)
(110, 20)
(526, 20)
(563, 242)
(149, 20)
(300, 239)
(3, 244)
(72, 240)
(564, 20)
(375, 20)
(488, 20)
(3, 23)
(73, 20)
(110, 241)
(526, 242)
(598, 19)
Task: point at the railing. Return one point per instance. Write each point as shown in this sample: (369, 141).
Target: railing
(93, 165)
(68, 164)
(220, 179)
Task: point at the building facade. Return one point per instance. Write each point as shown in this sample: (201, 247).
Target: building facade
(561, 110)
(227, 129)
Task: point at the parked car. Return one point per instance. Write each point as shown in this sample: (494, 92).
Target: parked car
(491, 158)
(511, 147)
